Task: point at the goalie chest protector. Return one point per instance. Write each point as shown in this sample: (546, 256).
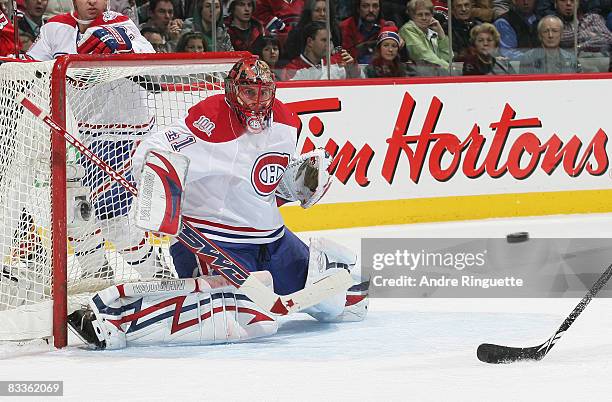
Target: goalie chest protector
(233, 174)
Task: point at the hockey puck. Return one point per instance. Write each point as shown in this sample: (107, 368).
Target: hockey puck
(517, 237)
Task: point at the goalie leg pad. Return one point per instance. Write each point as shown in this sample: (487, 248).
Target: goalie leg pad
(197, 311)
(327, 257)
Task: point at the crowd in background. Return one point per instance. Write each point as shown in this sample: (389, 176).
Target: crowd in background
(371, 38)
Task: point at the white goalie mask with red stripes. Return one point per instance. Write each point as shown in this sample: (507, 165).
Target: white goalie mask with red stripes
(250, 92)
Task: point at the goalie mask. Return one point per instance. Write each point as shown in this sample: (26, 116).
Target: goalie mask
(250, 91)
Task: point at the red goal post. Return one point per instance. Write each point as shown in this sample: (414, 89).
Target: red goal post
(111, 102)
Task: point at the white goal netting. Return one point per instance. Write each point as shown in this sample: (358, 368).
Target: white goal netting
(110, 107)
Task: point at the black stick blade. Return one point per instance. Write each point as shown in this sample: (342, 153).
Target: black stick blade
(496, 354)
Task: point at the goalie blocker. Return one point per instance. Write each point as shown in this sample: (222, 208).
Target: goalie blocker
(207, 310)
(160, 196)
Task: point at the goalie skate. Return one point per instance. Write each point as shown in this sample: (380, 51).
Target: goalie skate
(82, 323)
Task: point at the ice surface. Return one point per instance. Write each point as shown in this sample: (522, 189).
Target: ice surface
(407, 349)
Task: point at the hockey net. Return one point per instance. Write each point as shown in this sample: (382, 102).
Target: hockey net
(65, 230)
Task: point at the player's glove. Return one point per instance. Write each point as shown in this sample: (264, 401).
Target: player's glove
(105, 40)
(306, 178)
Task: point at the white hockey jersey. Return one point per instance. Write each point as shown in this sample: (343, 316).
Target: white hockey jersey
(100, 106)
(60, 35)
(233, 174)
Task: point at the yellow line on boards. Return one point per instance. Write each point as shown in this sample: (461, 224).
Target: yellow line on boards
(397, 212)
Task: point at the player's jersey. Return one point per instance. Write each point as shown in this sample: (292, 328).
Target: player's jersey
(110, 116)
(233, 175)
(60, 35)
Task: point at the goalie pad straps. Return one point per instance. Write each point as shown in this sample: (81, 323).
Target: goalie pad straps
(306, 178)
(196, 311)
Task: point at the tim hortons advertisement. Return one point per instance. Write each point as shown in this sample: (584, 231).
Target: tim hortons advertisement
(458, 139)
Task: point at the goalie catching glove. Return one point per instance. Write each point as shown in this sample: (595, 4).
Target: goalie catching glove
(105, 40)
(306, 178)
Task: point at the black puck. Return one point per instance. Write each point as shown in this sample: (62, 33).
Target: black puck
(517, 237)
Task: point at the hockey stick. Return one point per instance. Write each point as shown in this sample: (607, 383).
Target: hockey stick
(490, 353)
(199, 244)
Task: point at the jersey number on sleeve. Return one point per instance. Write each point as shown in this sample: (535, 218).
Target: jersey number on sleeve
(176, 142)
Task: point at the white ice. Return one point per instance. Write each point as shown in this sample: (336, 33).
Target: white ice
(407, 349)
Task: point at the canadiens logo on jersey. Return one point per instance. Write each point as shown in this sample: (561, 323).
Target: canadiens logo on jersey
(108, 16)
(267, 172)
(254, 123)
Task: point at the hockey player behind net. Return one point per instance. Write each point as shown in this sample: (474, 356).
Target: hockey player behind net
(239, 147)
(110, 129)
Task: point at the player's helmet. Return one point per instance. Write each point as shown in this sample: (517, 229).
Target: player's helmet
(250, 91)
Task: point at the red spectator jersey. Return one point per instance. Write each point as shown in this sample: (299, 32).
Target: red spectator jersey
(7, 32)
(293, 66)
(244, 39)
(287, 10)
(352, 36)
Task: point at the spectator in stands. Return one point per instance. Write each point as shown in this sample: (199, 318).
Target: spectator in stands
(126, 7)
(360, 32)
(593, 34)
(192, 42)
(310, 65)
(386, 61)
(550, 58)
(161, 17)
(483, 10)
(268, 50)
(278, 16)
(242, 28)
(182, 9)
(483, 58)
(32, 20)
(55, 7)
(462, 24)
(202, 21)
(565, 10)
(156, 39)
(518, 29)
(314, 10)
(428, 46)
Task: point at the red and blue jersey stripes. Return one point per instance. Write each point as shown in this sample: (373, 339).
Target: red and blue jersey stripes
(237, 233)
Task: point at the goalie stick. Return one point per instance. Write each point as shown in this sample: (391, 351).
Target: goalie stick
(490, 353)
(199, 244)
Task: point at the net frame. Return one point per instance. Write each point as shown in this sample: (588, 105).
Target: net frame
(59, 109)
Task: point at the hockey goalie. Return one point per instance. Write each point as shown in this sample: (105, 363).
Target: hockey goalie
(225, 167)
